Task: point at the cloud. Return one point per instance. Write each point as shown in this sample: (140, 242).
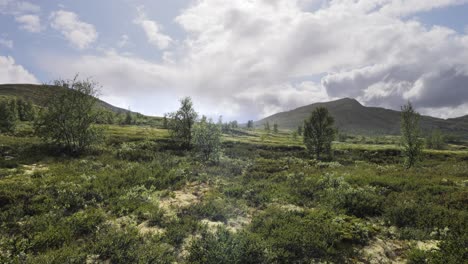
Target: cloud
(124, 39)
(15, 7)
(407, 7)
(153, 31)
(78, 33)
(248, 59)
(13, 73)
(31, 23)
(8, 43)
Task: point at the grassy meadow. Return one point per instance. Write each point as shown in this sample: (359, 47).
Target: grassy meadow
(135, 198)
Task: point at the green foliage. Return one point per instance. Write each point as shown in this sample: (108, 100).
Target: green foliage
(250, 124)
(275, 128)
(182, 121)
(301, 236)
(128, 118)
(223, 246)
(342, 136)
(165, 122)
(300, 130)
(294, 135)
(266, 127)
(127, 246)
(359, 201)
(121, 204)
(7, 117)
(213, 208)
(137, 151)
(69, 117)
(206, 139)
(451, 250)
(417, 256)
(410, 132)
(319, 132)
(86, 222)
(26, 111)
(435, 140)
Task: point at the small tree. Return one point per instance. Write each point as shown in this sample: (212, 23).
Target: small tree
(294, 135)
(234, 124)
(7, 117)
(182, 122)
(165, 122)
(267, 126)
(25, 110)
(319, 132)
(342, 136)
(250, 124)
(206, 139)
(435, 140)
(13, 108)
(226, 128)
(275, 128)
(299, 130)
(70, 115)
(128, 118)
(412, 145)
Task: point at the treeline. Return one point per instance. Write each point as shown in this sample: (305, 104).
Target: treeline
(14, 110)
(70, 117)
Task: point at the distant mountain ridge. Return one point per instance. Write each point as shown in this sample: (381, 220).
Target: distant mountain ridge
(354, 118)
(38, 94)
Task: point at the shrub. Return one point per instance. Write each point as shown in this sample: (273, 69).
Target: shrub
(417, 256)
(206, 138)
(178, 229)
(181, 123)
(67, 254)
(141, 151)
(405, 212)
(7, 118)
(70, 114)
(435, 140)
(125, 245)
(358, 201)
(86, 222)
(213, 207)
(302, 236)
(224, 247)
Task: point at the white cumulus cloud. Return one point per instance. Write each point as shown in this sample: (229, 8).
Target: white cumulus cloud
(10, 72)
(31, 23)
(77, 32)
(153, 31)
(16, 7)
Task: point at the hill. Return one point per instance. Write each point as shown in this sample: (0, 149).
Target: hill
(38, 94)
(354, 118)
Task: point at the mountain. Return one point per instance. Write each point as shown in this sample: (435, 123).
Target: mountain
(354, 118)
(38, 94)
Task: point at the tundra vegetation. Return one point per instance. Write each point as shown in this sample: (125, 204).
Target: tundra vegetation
(192, 194)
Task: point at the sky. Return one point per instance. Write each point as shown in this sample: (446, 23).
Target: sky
(244, 59)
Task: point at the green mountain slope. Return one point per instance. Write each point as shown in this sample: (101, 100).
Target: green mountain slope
(352, 117)
(38, 94)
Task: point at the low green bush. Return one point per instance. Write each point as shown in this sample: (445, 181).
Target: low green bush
(137, 151)
(178, 229)
(357, 201)
(298, 237)
(222, 246)
(86, 222)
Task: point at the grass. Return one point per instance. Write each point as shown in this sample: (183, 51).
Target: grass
(136, 198)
